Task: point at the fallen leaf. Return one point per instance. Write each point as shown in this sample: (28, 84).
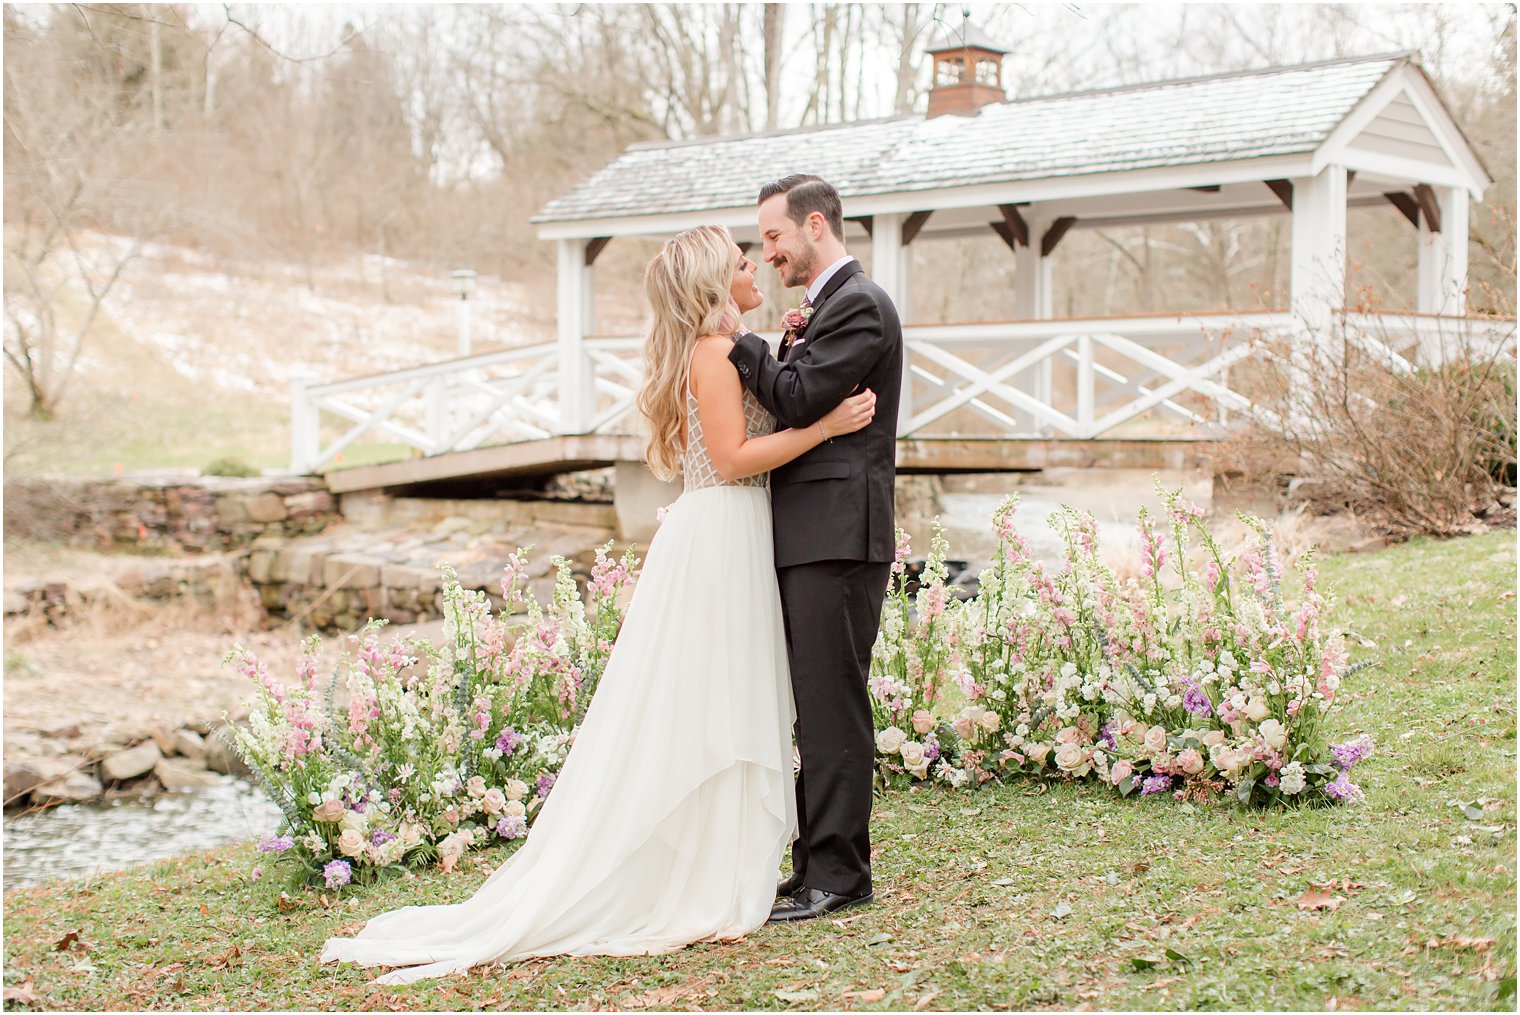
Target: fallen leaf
(1177, 956)
(1319, 900)
(205, 909)
(879, 938)
(923, 1002)
(1139, 964)
(24, 992)
(1140, 867)
(1477, 944)
(793, 996)
(72, 940)
(867, 996)
(1003, 882)
(1062, 910)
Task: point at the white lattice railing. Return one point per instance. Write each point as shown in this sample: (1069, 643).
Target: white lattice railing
(1142, 377)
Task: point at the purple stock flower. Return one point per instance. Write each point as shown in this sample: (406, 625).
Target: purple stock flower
(1344, 790)
(1155, 784)
(381, 837)
(1196, 701)
(276, 844)
(1106, 737)
(546, 783)
(508, 741)
(931, 749)
(337, 873)
(1352, 751)
(513, 826)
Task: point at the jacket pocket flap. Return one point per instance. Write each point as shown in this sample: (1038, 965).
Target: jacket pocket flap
(808, 471)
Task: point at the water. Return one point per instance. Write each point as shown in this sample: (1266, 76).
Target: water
(80, 840)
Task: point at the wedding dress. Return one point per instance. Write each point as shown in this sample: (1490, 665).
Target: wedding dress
(671, 813)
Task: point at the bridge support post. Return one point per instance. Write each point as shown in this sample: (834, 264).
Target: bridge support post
(637, 497)
(1032, 302)
(577, 289)
(305, 436)
(891, 269)
(1442, 271)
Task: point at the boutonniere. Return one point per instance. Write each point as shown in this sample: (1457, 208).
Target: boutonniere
(795, 320)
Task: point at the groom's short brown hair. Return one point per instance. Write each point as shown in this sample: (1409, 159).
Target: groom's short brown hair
(806, 194)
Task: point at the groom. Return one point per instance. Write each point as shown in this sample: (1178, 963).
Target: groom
(834, 529)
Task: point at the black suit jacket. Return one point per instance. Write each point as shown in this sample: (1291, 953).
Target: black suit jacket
(836, 501)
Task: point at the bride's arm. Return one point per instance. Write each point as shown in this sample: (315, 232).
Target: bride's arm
(720, 406)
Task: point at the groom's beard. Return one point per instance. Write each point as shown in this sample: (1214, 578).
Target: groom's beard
(796, 271)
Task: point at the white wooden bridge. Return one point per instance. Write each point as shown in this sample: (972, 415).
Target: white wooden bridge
(1147, 391)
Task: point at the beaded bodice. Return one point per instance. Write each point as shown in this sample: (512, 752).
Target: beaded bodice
(697, 470)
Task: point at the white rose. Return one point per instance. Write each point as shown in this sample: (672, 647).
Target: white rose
(1256, 710)
(476, 787)
(1293, 780)
(514, 809)
(493, 801)
(1069, 757)
(890, 740)
(1155, 739)
(990, 721)
(351, 843)
(912, 754)
(516, 789)
(1037, 752)
(1274, 733)
(1068, 735)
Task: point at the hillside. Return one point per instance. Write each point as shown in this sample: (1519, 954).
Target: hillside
(192, 357)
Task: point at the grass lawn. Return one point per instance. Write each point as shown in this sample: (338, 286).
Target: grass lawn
(1013, 897)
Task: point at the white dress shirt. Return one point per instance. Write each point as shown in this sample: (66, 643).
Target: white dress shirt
(823, 279)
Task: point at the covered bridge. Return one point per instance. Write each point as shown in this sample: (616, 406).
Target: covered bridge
(1307, 142)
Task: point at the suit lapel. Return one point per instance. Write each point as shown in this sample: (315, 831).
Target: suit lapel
(829, 288)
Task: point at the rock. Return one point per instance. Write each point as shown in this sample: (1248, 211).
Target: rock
(76, 787)
(62, 731)
(267, 507)
(352, 572)
(16, 601)
(165, 741)
(25, 774)
(189, 743)
(131, 763)
(220, 757)
(181, 773)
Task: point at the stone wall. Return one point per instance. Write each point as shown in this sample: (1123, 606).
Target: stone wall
(166, 514)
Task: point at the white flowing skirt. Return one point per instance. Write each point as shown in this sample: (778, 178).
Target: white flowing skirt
(670, 816)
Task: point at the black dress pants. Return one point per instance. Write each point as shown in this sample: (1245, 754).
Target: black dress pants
(832, 610)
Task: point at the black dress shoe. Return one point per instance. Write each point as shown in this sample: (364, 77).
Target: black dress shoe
(811, 903)
(787, 886)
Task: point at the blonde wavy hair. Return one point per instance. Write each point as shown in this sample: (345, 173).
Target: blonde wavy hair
(688, 284)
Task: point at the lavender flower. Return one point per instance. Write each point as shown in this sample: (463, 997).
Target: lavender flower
(1196, 700)
(381, 837)
(513, 826)
(546, 783)
(1352, 751)
(508, 741)
(337, 873)
(1155, 784)
(1106, 737)
(1344, 790)
(276, 844)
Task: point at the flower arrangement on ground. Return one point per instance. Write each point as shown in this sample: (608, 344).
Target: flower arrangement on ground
(438, 749)
(1195, 679)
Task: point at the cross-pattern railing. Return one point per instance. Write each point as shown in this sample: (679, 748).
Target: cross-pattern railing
(1147, 377)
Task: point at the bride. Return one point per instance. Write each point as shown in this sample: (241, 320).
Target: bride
(671, 813)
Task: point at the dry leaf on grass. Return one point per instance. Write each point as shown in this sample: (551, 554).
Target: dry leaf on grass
(72, 940)
(1319, 900)
(868, 996)
(24, 992)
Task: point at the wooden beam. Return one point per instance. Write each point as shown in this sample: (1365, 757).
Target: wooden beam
(594, 248)
(1016, 224)
(1001, 228)
(1350, 176)
(914, 223)
(864, 221)
(1406, 205)
(1284, 191)
(1212, 188)
(1054, 233)
(1429, 207)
